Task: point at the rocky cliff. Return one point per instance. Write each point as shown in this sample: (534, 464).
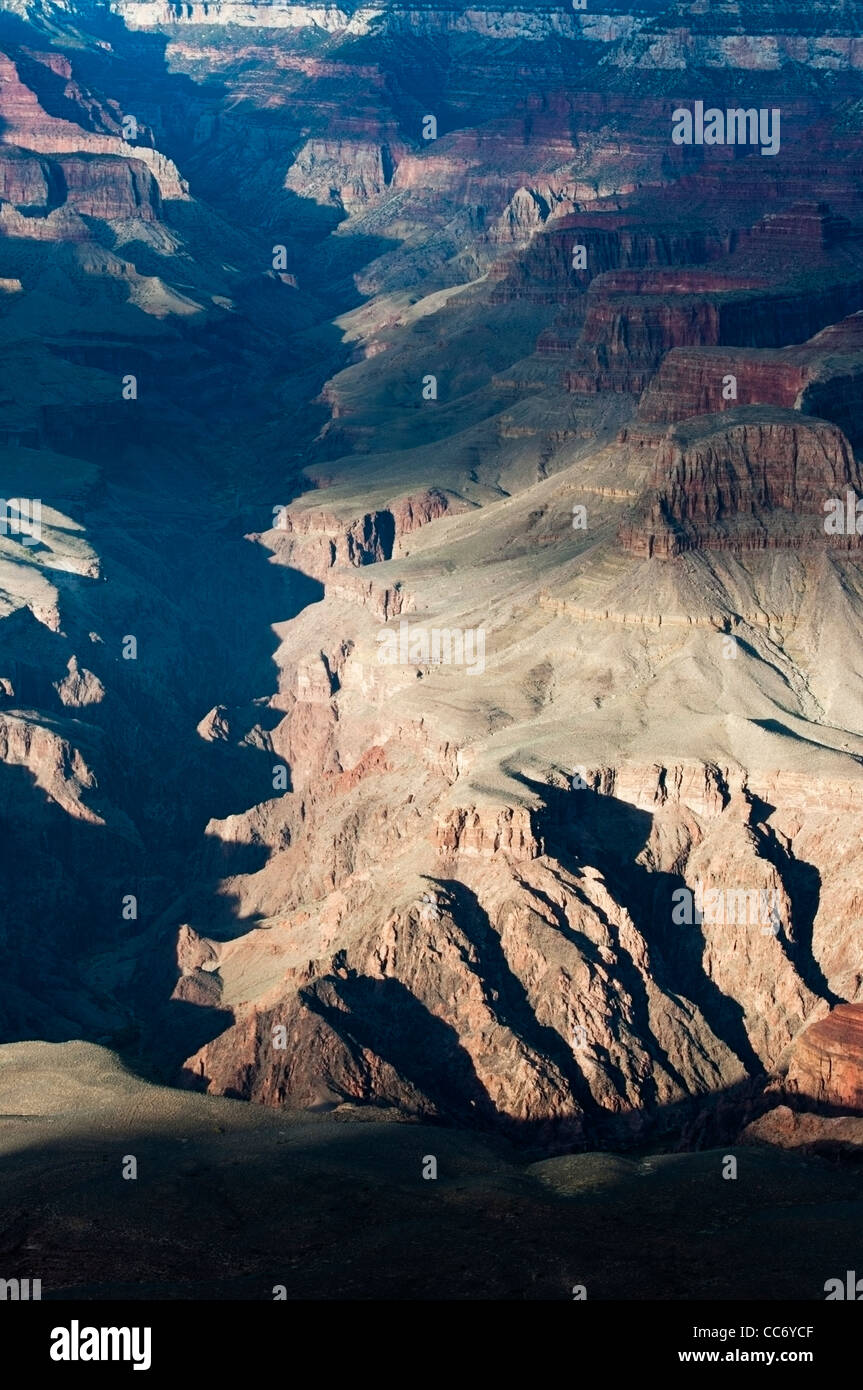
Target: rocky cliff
(826, 1066)
(747, 479)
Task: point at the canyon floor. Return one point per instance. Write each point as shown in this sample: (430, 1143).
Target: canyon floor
(328, 336)
(232, 1201)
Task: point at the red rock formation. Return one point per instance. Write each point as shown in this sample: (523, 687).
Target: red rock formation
(691, 381)
(88, 166)
(470, 832)
(804, 227)
(833, 1137)
(617, 324)
(110, 188)
(827, 1061)
(25, 179)
(626, 334)
(822, 377)
(612, 240)
(750, 479)
(410, 513)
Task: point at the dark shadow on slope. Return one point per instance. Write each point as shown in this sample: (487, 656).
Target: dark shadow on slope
(590, 953)
(228, 1204)
(385, 1018)
(802, 883)
(64, 880)
(506, 995)
(585, 827)
(774, 726)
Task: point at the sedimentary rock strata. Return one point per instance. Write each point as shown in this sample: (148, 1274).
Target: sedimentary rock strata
(746, 479)
(826, 1067)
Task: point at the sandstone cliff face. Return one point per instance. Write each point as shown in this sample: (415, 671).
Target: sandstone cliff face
(820, 377)
(624, 339)
(102, 186)
(544, 273)
(826, 1067)
(349, 171)
(696, 382)
(618, 323)
(314, 540)
(27, 124)
(730, 481)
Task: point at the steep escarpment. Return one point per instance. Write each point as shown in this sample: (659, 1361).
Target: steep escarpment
(91, 130)
(612, 241)
(820, 377)
(745, 479)
(633, 319)
(826, 1066)
(564, 988)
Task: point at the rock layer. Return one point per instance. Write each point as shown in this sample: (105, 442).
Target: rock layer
(827, 1061)
(732, 480)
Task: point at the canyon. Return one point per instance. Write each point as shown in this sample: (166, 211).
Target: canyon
(285, 373)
